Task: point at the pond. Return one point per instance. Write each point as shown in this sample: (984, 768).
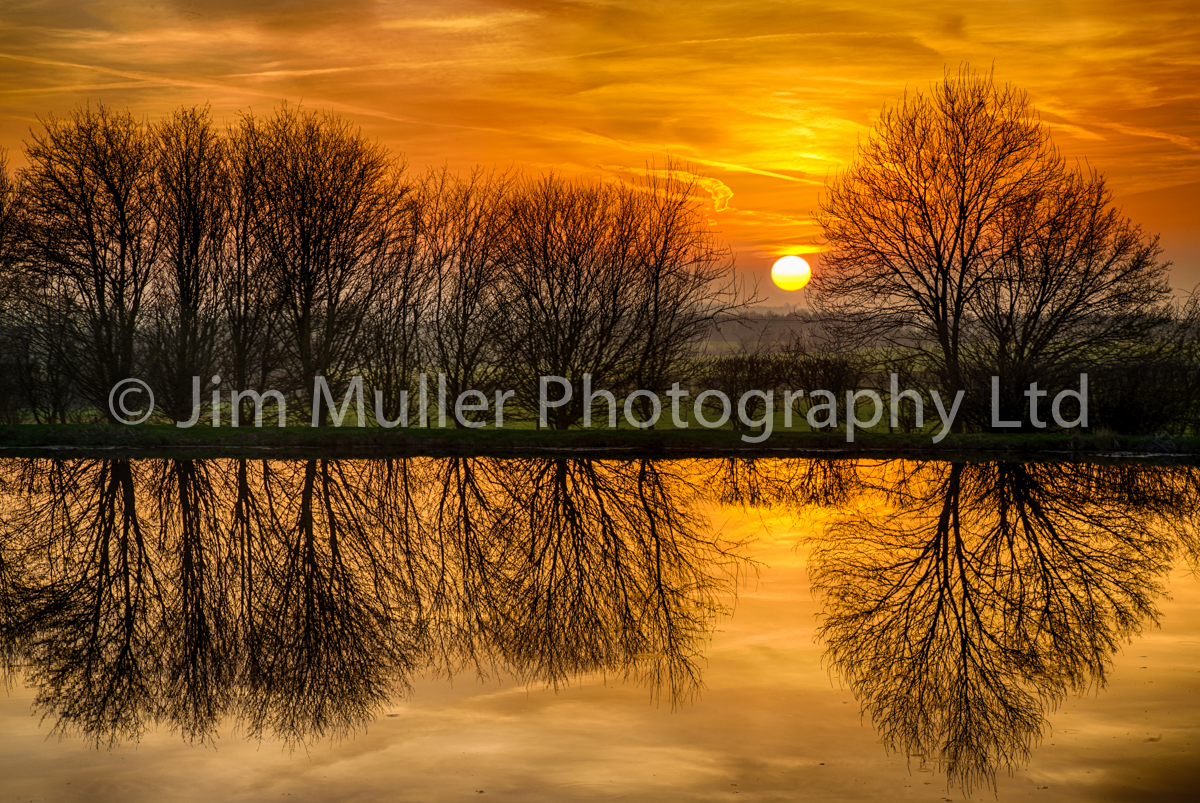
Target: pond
(556, 629)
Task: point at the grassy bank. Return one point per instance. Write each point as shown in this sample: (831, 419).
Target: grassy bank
(374, 442)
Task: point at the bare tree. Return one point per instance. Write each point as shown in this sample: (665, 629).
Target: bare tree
(685, 275)
(37, 333)
(1077, 285)
(613, 574)
(398, 310)
(916, 222)
(91, 602)
(572, 297)
(617, 281)
(10, 284)
(328, 214)
(192, 212)
(336, 631)
(200, 566)
(8, 229)
(463, 251)
(250, 312)
(92, 234)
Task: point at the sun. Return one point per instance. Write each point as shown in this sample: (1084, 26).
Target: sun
(791, 273)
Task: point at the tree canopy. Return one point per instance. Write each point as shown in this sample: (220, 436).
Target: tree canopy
(960, 231)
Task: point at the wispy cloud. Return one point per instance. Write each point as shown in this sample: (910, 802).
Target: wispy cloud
(458, 24)
(765, 99)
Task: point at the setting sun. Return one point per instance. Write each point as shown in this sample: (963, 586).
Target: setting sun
(791, 273)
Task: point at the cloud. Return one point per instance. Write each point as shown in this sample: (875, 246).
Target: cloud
(718, 190)
(459, 24)
(766, 98)
(1177, 139)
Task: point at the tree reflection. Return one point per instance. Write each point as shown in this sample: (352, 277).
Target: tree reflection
(976, 596)
(298, 597)
(779, 482)
(611, 574)
(295, 598)
(89, 608)
(199, 618)
(335, 630)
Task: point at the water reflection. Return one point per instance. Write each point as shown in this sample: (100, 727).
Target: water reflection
(299, 597)
(780, 483)
(961, 601)
(966, 600)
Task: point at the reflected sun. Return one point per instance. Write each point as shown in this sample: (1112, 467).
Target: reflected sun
(791, 273)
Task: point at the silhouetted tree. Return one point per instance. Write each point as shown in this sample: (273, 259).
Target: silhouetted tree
(391, 344)
(572, 295)
(251, 355)
(612, 575)
(90, 207)
(463, 244)
(10, 295)
(329, 211)
(91, 603)
(192, 204)
(200, 568)
(8, 230)
(335, 636)
(297, 597)
(913, 221)
(621, 282)
(684, 278)
(1078, 286)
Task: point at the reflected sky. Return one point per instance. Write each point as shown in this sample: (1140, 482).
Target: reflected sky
(572, 629)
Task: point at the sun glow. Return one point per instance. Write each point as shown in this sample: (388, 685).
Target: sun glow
(791, 273)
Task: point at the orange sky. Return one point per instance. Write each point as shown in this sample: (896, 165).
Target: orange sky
(767, 98)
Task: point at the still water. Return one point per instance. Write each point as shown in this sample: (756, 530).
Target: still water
(558, 629)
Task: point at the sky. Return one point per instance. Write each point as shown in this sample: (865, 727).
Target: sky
(764, 99)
